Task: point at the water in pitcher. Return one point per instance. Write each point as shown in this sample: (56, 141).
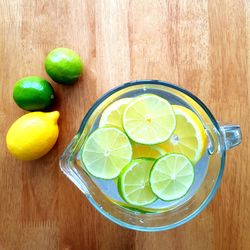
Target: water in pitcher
(109, 187)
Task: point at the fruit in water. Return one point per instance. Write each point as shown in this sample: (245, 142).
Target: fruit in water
(112, 115)
(189, 137)
(148, 147)
(133, 182)
(106, 152)
(171, 177)
(149, 119)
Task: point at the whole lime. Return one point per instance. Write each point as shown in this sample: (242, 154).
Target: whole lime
(33, 93)
(63, 65)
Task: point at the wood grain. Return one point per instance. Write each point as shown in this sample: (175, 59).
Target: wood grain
(201, 45)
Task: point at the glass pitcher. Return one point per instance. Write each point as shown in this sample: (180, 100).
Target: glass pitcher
(209, 169)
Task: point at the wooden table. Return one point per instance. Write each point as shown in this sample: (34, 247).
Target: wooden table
(201, 45)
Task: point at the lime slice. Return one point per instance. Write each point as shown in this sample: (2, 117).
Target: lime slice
(146, 151)
(133, 183)
(112, 115)
(161, 150)
(189, 137)
(171, 177)
(106, 152)
(143, 210)
(149, 119)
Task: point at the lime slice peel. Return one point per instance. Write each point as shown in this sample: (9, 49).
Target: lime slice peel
(133, 183)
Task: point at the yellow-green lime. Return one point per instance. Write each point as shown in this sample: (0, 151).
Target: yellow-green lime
(171, 177)
(149, 119)
(106, 152)
(112, 115)
(33, 93)
(133, 183)
(63, 65)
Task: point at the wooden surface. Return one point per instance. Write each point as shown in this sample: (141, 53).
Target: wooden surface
(201, 45)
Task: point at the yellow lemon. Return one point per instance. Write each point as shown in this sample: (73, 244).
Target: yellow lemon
(189, 137)
(147, 151)
(33, 135)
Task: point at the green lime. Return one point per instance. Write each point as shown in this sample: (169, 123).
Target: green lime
(133, 182)
(171, 176)
(149, 119)
(63, 65)
(33, 93)
(106, 152)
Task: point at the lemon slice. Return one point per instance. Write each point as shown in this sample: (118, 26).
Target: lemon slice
(106, 152)
(171, 177)
(140, 150)
(112, 115)
(133, 183)
(149, 119)
(189, 137)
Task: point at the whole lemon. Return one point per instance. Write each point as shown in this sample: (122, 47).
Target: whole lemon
(33, 135)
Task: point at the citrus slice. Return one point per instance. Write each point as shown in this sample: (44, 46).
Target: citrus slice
(141, 150)
(161, 150)
(189, 137)
(171, 177)
(149, 119)
(133, 183)
(140, 209)
(112, 115)
(106, 152)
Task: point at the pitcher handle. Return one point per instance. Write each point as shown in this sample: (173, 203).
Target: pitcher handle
(232, 135)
